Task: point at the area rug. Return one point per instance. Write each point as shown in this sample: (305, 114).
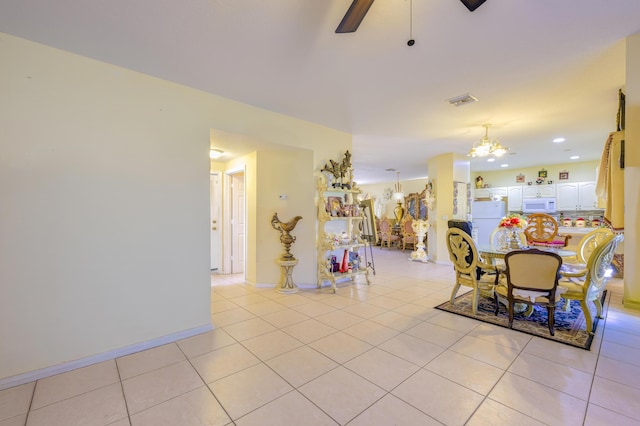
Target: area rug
(570, 327)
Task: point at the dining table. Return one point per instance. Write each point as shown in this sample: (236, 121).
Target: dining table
(491, 254)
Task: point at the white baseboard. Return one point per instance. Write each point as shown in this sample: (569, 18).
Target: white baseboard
(21, 379)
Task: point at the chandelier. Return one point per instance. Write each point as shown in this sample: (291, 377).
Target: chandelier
(487, 146)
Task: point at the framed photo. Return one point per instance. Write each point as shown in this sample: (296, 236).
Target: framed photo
(542, 173)
(369, 231)
(520, 178)
(563, 175)
(334, 206)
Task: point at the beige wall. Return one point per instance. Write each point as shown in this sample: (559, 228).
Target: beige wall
(104, 181)
(583, 171)
(375, 191)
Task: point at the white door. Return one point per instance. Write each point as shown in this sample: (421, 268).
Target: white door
(215, 203)
(238, 223)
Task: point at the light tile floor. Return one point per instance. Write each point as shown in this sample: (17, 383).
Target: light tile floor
(368, 355)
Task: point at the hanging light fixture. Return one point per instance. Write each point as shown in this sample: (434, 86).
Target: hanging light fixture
(487, 146)
(398, 211)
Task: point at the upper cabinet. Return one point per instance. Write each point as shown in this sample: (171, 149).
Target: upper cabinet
(490, 193)
(514, 198)
(577, 196)
(539, 191)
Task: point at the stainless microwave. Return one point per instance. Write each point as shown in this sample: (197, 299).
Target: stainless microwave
(539, 205)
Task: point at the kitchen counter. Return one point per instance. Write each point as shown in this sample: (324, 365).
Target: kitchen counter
(574, 230)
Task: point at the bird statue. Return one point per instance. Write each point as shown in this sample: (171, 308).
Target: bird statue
(285, 238)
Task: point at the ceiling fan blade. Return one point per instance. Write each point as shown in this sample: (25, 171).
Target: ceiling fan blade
(472, 4)
(354, 16)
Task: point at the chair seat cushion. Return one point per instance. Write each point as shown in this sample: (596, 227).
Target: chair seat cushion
(574, 290)
(527, 296)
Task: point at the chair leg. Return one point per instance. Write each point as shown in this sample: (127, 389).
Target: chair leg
(495, 299)
(511, 308)
(587, 316)
(596, 302)
(567, 305)
(550, 318)
(476, 297)
(454, 291)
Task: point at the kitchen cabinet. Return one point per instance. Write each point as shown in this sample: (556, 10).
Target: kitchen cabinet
(490, 193)
(577, 196)
(539, 191)
(514, 198)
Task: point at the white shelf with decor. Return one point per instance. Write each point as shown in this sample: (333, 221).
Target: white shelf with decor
(340, 241)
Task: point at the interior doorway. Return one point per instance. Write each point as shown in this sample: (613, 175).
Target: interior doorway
(237, 223)
(215, 201)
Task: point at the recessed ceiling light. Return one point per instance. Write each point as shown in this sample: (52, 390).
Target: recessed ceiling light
(504, 165)
(558, 140)
(574, 157)
(490, 160)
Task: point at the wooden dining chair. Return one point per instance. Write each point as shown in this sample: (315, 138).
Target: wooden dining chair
(387, 236)
(577, 268)
(409, 236)
(532, 279)
(542, 230)
(468, 266)
(598, 273)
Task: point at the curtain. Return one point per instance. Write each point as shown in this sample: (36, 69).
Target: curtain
(610, 183)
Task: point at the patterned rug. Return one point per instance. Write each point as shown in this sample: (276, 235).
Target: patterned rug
(569, 327)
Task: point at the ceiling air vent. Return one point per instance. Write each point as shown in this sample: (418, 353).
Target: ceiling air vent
(465, 99)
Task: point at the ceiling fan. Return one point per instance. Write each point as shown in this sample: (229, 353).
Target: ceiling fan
(359, 8)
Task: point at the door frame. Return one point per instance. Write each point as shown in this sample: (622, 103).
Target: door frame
(215, 214)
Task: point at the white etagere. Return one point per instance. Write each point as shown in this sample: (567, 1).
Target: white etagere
(338, 235)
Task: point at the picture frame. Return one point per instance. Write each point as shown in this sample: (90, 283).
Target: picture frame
(563, 175)
(520, 178)
(334, 206)
(415, 205)
(542, 173)
(369, 229)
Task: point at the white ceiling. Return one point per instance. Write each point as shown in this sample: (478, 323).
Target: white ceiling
(540, 68)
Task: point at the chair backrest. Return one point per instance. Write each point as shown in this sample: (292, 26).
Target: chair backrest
(599, 264)
(541, 228)
(589, 242)
(533, 269)
(465, 225)
(407, 225)
(385, 225)
(462, 251)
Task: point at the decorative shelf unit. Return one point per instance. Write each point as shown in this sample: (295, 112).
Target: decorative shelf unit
(340, 242)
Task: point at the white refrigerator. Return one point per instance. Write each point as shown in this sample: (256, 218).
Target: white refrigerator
(486, 216)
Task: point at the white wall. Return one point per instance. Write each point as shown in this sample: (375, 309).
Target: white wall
(104, 212)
